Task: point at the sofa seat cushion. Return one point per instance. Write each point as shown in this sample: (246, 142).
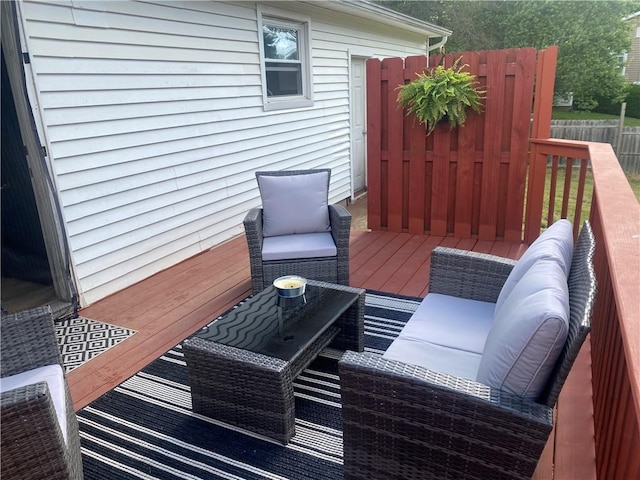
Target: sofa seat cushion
(453, 322)
(555, 243)
(54, 377)
(295, 203)
(304, 245)
(439, 358)
(528, 332)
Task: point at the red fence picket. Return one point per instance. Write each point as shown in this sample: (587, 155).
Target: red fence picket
(469, 181)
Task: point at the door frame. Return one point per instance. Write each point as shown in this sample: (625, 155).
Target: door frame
(359, 54)
(49, 212)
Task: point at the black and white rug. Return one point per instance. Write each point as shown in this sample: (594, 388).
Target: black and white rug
(145, 427)
(82, 339)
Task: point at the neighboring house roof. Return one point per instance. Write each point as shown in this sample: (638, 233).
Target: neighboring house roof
(373, 11)
(633, 15)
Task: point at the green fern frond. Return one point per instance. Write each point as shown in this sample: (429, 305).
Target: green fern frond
(439, 92)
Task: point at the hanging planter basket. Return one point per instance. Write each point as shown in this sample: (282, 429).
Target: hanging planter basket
(441, 94)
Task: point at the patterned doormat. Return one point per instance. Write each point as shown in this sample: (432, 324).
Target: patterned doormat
(82, 339)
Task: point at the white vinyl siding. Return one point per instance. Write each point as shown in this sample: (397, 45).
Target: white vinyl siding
(155, 123)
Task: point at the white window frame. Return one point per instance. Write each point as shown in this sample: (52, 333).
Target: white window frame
(271, 16)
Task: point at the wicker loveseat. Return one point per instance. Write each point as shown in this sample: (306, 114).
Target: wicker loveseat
(407, 421)
(39, 429)
(296, 231)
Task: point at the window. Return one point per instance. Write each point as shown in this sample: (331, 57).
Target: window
(284, 47)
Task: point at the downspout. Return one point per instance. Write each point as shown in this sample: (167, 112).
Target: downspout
(438, 46)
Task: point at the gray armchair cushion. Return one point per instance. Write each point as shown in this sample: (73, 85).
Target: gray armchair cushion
(555, 243)
(528, 332)
(295, 204)
(303, 245)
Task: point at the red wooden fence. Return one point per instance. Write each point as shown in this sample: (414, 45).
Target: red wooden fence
(469, 181)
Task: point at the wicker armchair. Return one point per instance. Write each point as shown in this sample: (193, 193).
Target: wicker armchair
(32, 443)
(333, 268)
(407, 422)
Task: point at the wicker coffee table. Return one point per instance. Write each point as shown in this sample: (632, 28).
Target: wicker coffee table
(242, 366)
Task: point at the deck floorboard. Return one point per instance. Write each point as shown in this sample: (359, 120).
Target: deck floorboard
(171, 305)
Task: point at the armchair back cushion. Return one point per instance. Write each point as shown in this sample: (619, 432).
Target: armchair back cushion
(295, 204)
(555, 243)
(528, 332)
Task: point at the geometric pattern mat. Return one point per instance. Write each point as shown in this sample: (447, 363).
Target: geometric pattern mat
(82, 339)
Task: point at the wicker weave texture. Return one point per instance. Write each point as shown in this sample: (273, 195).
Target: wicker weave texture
(465, 274)
(254, 391)
(582, 295)
(327, 269)
(32, 445)
(405, 422)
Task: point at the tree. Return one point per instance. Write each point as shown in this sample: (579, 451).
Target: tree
(590, 36)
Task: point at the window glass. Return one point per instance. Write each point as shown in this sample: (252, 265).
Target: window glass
(280, 43)
(283, 79)
(283, 65)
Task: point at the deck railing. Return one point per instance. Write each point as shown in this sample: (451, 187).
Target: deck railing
(615, 335)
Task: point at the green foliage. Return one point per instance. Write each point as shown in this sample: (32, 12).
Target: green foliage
(606, 105)
(589, 36)
(440, 93)
(633, 101)
(631, 96)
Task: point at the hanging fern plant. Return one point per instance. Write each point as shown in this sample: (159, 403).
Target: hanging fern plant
(441, 94)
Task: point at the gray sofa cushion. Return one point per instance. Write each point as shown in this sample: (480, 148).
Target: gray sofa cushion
(555, 243)
(453, 322)
(434, 357)
(445, 334)
(295, 204)
(528, 332)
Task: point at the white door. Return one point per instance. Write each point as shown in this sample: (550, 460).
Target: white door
(358, 126)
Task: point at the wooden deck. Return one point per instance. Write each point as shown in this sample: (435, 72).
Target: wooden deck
(169, 306)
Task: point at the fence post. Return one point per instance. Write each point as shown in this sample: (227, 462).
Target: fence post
(623, 109)
(535, 194)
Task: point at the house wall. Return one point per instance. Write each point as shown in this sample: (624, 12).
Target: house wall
(152, 115)
(632, 70)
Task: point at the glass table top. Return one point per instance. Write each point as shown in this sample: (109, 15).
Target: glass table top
(269, 324)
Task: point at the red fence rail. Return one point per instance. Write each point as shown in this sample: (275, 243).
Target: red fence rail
(469, 181)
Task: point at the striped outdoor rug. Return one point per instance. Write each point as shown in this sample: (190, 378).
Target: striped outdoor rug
(145, 427)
